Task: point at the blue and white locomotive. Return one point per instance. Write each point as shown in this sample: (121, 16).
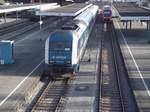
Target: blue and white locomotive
(65, 47)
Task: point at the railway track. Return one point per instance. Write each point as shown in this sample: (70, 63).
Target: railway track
(51, 97)
(110, 92)
(14, 27)
(114, 91)
(24, 29)
(11, 24)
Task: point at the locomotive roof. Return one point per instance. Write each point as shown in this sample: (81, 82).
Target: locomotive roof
(106, 7)
(60, 32)
(71, 25)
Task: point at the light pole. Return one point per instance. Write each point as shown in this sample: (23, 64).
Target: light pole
(40, 17)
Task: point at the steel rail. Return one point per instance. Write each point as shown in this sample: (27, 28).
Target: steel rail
(115, 76)
(51, 97)
(14, 27)
(116, 69)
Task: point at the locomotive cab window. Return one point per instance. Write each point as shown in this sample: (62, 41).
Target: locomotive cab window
(60, 45)
(107, 13)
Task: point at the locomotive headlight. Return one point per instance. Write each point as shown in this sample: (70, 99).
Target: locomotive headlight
(67, 62)
(51, 61)
(67, 49)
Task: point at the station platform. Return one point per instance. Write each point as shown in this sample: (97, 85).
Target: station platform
(17, 81)
(82, 93)
(130, 11)
(20, 7)
(69, 10)
(147, 8)
(135, 48)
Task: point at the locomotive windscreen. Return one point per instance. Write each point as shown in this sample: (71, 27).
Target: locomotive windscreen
(60, 51)
(107, 13)
(60, 45)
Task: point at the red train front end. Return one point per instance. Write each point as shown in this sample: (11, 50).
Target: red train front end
(106, 14)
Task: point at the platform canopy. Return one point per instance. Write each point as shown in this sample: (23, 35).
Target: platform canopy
(69, 10)
(19, 7)
(127, 12)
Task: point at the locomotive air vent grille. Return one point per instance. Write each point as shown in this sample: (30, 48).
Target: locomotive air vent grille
(69, 26)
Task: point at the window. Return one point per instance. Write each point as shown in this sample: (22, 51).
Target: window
(107, 13)
(60, 45)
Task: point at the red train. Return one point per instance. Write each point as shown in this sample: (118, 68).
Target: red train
(106, 14)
